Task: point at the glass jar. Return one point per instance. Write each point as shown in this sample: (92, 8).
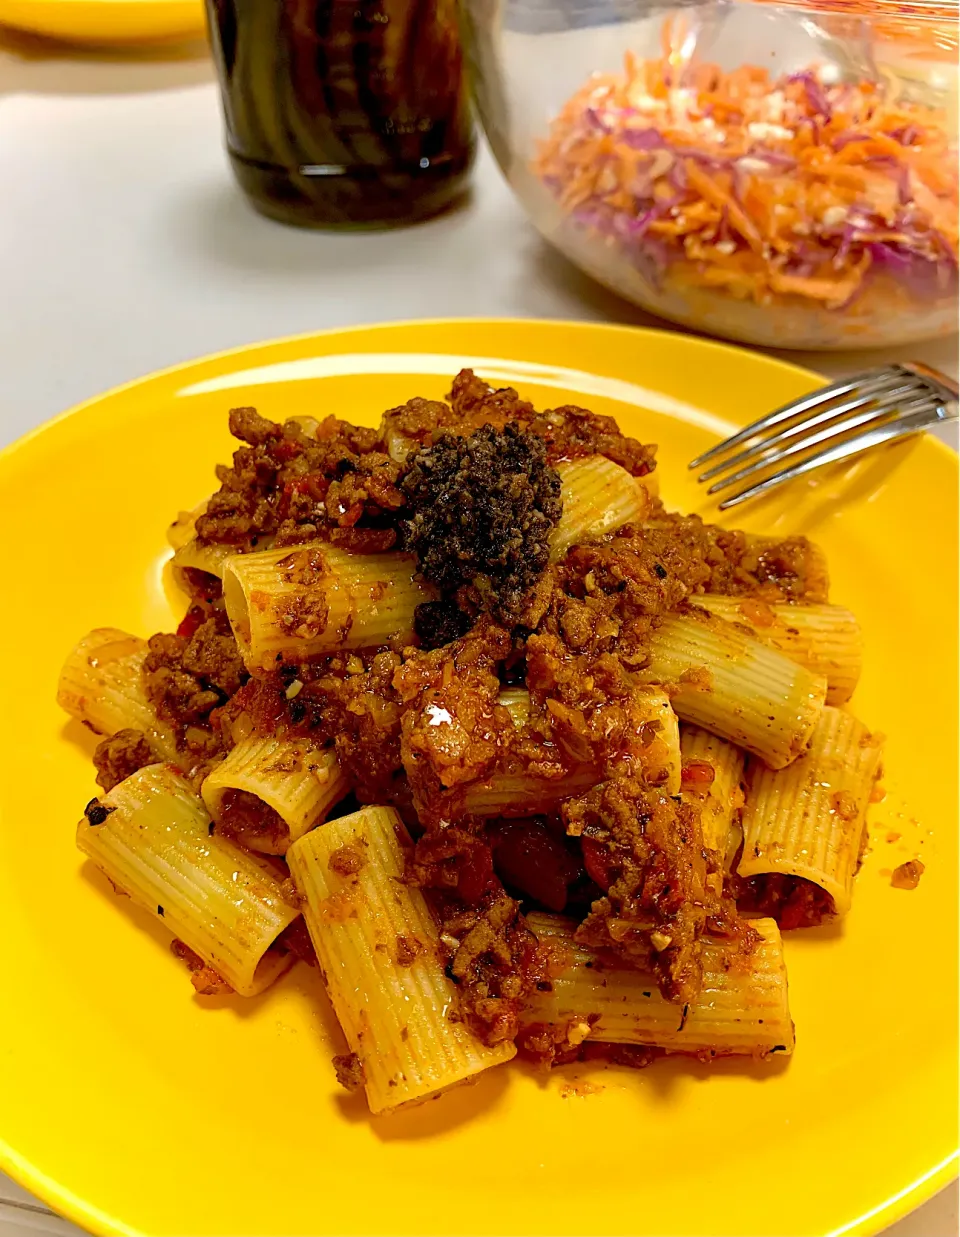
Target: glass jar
(344, 113)
(784, 174)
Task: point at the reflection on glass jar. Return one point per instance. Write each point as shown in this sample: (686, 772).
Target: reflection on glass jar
(344, 112)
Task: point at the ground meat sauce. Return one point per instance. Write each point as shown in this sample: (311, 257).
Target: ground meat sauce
(204, 591)
(536, 860)
(204, 978)
(187, 677)
(408, 950)
(907, 875)
(737, 564)
(792, 901)
(494, 959)
(470, 486)
(290, 486)
(120, 756)
(362, 711)
(246, 819)
(349, 1071)
(453, 731)
(646, 850)
(550, 1044)
(569, 432)
(347, 860)
(295, 939)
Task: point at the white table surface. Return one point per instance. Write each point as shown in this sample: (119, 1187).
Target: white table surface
(125, 248)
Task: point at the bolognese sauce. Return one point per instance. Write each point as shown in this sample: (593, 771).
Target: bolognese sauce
(469, 487)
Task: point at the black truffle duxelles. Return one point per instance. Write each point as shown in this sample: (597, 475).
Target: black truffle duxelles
(482, 509)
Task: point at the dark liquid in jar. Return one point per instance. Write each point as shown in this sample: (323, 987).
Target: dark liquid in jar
(344, 112)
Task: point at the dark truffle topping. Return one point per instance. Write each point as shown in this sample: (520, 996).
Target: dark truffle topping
(439, 622)
(482, 510)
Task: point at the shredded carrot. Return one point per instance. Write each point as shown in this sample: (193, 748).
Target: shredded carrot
(715, 193)
(795, 186)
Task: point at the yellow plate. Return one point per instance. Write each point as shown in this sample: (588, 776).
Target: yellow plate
(106, 21)
(133, 1106)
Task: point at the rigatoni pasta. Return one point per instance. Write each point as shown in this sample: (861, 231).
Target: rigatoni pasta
(653, 745)
(269, 792)
(733, 685)
(184, 527)
(713, 776)
(598, 496)
(525, 794)
(742, 1008)
(151, 836)
(101, 685)
(808, 820)
(300, 602)
(378, 944)
(195, 556)
(557, 695)
(825, 639)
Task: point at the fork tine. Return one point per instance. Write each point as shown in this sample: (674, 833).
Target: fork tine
(852, 446)
(871, 378)
(835, 430)
(828, 414)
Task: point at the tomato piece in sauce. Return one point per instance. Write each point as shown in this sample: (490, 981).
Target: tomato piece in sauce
(600, 864)
(536, 861)
(191, 621)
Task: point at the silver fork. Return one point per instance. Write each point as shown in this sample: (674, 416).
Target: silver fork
(885, 403)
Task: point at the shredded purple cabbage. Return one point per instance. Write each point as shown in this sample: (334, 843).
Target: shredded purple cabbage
(643, 139)
(903, 185)
(921, 258)
(776, 158)
(846, 138)
(907, 135)
(596, 121)
(714, 163)
(816, 95)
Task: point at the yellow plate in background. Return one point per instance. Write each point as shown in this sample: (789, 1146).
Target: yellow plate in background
(106, 21)
(134, 1106)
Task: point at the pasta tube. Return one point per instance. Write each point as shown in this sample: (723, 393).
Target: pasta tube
(525, 794)
(598, 496)
(516, 700)
(211, 559)
(825, 639)
(713, 777)
(378, 947)
(101, 685)
(741, 1009)
(654, 745)
(808, 820)
(151, 837)
(269, 792)
(184, 526)
(724, 680)
(397, 443)
(295, 604)
(655, 742)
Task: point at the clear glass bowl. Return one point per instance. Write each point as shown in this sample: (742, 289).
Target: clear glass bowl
(775, 173)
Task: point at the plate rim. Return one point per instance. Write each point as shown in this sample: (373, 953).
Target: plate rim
(108, 23)
(298, 337)
(167, 371)
(86, 1215)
